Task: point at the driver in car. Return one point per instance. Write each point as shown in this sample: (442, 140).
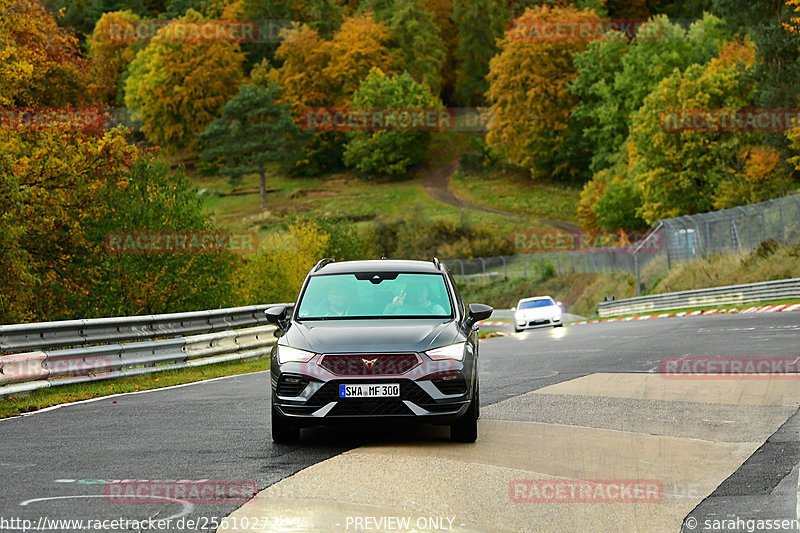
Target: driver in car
(414, 300)
(337, 304)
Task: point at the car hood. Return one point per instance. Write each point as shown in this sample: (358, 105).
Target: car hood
(387, 335)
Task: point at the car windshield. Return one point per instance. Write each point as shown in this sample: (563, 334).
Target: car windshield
(375, 295)
(531, 304)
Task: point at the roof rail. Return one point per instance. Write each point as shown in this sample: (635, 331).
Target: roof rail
(436, 263)
(322, 262)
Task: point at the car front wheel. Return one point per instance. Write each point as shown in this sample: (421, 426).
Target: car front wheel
(465, 429)
(283, 431)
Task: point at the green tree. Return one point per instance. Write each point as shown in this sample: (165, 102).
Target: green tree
(176, 87)
(480, 23)
(253, 131)
(155, 198)
(615, 75)
(685, 172)
(777, 69)
(389, 152)
(418, 43)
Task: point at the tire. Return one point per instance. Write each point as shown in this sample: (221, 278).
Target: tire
(516, 329)
(283, 431)
(465, 429)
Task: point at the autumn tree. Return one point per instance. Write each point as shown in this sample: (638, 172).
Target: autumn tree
(253, 131)
(49, 200)
(392, 151)
(615, 75)
(176, 87)
(777, 66)
(681, 171)
(531, 104)
(276, 272)
(479, 23)
(110, 54)
(316, 72)
(40, 64)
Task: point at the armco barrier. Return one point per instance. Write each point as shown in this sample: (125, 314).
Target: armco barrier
(730, 295)
(79, 351)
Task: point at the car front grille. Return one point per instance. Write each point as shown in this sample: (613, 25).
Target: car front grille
(409, 390)
(369, 364)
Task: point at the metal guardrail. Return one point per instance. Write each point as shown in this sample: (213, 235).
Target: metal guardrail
(80, 351)
(729, 295)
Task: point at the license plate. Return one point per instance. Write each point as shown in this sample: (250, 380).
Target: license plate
(371, 390)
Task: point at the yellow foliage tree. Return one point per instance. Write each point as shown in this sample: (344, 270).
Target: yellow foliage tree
(277, 271)
(40, 64)
(177, 86)
(531, 103)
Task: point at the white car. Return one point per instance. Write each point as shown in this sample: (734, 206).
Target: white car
(537, 312)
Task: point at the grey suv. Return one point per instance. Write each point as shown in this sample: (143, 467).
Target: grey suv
(370, 341)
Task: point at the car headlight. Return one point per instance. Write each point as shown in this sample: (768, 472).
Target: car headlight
(287, 354)
(451, 351)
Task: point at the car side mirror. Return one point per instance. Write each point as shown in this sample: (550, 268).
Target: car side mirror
(513, 309)
(277, 315)
(478, 312)
(559, 304)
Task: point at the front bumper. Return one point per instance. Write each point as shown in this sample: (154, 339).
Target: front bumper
(434, 392)
(537, 323)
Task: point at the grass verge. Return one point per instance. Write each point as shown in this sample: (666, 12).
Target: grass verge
(517, 193)
(48, 397)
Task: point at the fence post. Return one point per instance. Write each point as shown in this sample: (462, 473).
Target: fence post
(505, 268)
(780, 218)
(525, 266)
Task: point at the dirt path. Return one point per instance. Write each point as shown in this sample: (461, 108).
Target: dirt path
(437, 184)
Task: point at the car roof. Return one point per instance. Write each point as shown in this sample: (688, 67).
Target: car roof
(378, 265)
